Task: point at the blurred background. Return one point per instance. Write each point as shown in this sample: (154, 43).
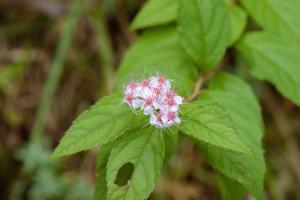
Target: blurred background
(56, 59)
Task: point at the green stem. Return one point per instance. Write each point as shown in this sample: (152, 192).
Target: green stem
(56, 69)
(104, 48)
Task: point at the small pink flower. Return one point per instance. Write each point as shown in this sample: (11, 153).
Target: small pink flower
(171, 115)
(133, 85)
(128, 99)
(156, 98)
(170, 94)
(170, 101)
(145, 83)
(178, 100)
(156, 91)
(161, 80)
(149, 101)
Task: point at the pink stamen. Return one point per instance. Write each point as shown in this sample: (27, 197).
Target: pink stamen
(133, 85)
(145, 83)
(170, 94)
(161, 80)
(149, 101)
(171, 115)
(157, 91)
(170, 101)
(129, 98)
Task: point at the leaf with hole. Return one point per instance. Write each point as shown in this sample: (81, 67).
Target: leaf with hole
(102, 159)
(143, 150)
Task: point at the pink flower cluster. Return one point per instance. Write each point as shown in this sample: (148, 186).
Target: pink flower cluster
(156, 98)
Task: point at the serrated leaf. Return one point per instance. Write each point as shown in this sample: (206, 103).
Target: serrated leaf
(108, 119)
(206, 121)
(148, 16)
(238, 100)
(279, 16)
(204, 28)
(158, 51)
(144, 148)
(271, 58)
(238, 20)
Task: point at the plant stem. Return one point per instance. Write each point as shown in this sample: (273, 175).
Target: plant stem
(198, 85)
(56, 69)
(104, 48)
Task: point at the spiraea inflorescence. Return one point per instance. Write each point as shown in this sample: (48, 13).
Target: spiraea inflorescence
(156, 98)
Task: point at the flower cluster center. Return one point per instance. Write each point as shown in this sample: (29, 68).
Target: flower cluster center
(156, 98)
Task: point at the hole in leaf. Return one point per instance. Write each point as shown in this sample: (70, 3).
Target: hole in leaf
(124, 174)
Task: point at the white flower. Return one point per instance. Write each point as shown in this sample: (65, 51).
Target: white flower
(137, 103)
(178, 100)
(148, 110)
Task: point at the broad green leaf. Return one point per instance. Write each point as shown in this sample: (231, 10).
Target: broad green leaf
(108, 119)
(271, 58)
(144, 148)
(230, 189)
(206, 121)
(238, 100)
(102, 159)
(158, 51)
(156, 12)
(146, 17)
(238, 20)
(279, 16)
(204, 28)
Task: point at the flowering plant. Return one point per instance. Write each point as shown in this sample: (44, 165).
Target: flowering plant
(220, 112)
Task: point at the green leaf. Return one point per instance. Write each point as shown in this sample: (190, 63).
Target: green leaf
(144, 148)
(239, 102)
(104, 122)
(158, 51)
(238, 20)
(230, 189)
(279, 16)
(156, 12)
(204, 28)
(145, 18)
(271, 58)
(206, 121)
(102, 159)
